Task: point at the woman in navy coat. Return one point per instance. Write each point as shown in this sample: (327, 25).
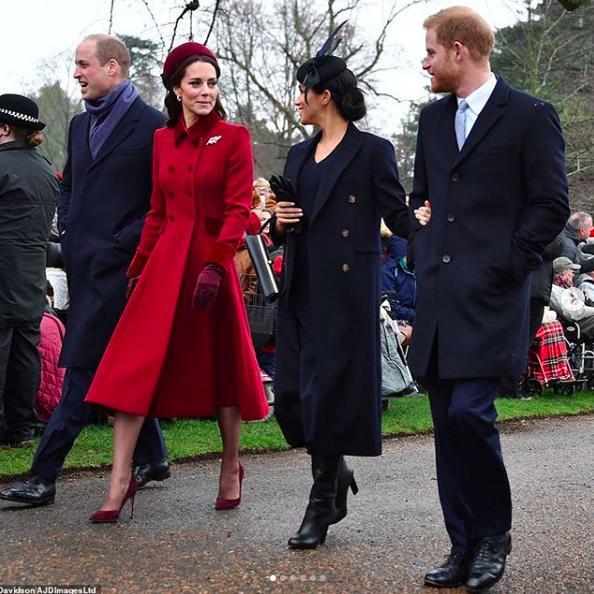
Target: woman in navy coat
(327, 386)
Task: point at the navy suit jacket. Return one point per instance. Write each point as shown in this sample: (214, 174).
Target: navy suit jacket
(101, 210)
(495, 204)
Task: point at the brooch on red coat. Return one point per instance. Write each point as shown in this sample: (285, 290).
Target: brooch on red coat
(213, 140)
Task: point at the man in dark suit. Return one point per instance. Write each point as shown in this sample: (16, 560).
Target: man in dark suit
(490, 165)
(103, 199)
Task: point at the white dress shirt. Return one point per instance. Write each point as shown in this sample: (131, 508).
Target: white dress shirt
(477, 101)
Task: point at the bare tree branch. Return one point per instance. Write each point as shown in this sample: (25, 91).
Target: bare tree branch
(110, 17)
(157, 27)
(212, 22)
(189, 7)
(263, 50)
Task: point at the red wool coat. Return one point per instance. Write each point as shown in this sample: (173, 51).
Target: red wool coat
(166, 359)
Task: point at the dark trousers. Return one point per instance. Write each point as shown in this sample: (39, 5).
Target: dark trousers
(471, 477)
(536, 313)
(20, 373)
(70, 417)
(266, 362)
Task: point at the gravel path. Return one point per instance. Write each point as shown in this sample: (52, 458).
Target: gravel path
(393, 533)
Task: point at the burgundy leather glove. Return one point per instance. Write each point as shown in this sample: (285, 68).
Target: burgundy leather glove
(207, 286)
(131, 286)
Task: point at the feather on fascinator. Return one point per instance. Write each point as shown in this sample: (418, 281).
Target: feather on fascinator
(317, 71)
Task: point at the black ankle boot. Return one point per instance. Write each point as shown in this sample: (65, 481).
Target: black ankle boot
(321, 509)
(346, 480)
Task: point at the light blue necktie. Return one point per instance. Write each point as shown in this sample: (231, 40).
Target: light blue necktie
(460, 123)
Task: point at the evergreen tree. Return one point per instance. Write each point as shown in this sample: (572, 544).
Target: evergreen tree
(145, 68)
(56, 109)
(549, 54)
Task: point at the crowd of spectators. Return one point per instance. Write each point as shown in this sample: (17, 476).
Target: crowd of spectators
(566, 281)
(572, 293)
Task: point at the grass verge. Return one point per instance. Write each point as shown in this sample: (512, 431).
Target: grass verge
(188, 439)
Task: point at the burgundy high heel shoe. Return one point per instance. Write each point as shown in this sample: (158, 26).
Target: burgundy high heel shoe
(106, 516)
(221, 504)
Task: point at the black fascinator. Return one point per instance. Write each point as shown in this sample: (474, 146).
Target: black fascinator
(319, 70)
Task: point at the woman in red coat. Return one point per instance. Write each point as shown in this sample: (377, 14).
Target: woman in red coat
(183, 346)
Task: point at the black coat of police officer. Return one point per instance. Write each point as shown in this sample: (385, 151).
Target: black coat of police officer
(28, 191)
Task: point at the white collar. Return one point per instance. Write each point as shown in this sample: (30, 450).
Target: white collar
(478, 98)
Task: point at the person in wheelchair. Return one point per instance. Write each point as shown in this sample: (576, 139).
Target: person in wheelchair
(585, 279)
(569, 302)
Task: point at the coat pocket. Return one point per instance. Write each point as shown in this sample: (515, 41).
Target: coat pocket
(126, 151)
(499, 149)
(212, 226)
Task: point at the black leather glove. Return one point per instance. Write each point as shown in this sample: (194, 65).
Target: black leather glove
(284, 191)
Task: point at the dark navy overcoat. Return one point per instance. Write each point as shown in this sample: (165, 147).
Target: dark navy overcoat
(495, 204)
(343, 242)
(101, 210)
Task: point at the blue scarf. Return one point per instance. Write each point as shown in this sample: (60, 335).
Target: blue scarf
(107, 112)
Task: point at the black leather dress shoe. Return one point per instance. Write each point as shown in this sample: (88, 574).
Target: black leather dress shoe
(32, 490)
(451, 574)
(152, 471)
(17, 441)
(488, 562)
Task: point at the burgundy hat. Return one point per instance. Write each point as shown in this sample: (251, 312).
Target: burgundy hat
(182, 52)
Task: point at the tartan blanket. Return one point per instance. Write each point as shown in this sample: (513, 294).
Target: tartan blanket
(547, 357)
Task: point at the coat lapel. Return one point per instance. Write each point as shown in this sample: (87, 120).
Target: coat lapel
(121, 131)
(344, 153)
(298, 157)
(448, 132)
(79, 137)
(489, 116)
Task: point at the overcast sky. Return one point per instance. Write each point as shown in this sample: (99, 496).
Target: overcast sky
(38, 30)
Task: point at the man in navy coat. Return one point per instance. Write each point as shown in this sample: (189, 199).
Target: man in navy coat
(103, 199)
(490, 165)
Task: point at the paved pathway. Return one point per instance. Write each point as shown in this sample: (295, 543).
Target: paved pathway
(393, 533)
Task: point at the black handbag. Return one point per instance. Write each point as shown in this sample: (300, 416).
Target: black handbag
(260, 258)
(262, 320)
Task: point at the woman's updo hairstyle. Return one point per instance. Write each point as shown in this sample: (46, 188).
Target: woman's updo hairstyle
(327, 72)
(347, 96)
